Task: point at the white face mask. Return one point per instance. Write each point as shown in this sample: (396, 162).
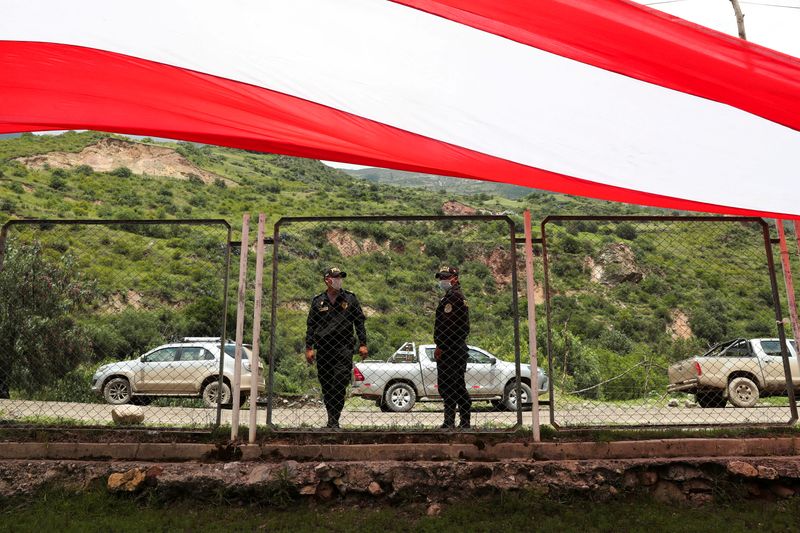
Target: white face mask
(336, 283)
(445, 284)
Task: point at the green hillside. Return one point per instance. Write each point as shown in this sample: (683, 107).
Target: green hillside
(156, 284)
(431, 182)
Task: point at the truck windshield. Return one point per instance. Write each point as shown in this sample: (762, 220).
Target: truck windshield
(230, 350)
(773, 347)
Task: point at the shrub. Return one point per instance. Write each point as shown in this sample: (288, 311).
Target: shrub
(83, 170)
(122, 172)
(194, 179)
(57, 183)
(626, 231)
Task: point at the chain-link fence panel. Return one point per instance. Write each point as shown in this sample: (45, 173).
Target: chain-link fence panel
(395, 323)
(114, 323)
(665, 321)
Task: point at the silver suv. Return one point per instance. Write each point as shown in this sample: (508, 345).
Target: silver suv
(189, 368)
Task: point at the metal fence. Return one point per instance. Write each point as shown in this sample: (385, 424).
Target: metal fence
(97, 314)
(665, 321)
(391, 350)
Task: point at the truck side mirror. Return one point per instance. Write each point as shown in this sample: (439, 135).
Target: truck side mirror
(492, 360)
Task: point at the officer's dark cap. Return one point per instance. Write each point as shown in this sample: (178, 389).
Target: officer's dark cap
(447, 272)
(334, 272)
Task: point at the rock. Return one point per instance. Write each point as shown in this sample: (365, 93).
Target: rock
(697, 485)
(679, 472)
(630, 480)
(152, 473)
(740, 468)
(648, 478)
(127, 415)
(689, 404)
(308, 490)
(260, 474)
(766, 472)
(375, 489)
(673, 403)
(127, 481)
(668, 492)
(753, 489)
(325, 491)
(701, 498)
(782, 491)
(434, 509)
(617, 264)
(290, 467)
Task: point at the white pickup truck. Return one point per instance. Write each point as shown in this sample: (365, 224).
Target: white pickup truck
(410, 375)
(738, 371)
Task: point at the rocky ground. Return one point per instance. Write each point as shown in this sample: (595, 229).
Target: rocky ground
(695, 481)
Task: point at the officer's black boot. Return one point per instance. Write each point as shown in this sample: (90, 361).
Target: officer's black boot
(449, 417)
(464, 423)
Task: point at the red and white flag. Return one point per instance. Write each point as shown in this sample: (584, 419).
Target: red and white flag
(600, 98)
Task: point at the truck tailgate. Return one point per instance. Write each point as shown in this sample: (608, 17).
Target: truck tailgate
(682, 371)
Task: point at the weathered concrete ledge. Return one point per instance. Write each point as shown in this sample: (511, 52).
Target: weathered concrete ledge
(476, 451)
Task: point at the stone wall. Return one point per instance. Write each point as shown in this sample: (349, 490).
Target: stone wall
(680, 481)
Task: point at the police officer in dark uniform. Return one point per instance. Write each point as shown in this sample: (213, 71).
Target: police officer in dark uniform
(450, 335)
(333, 316)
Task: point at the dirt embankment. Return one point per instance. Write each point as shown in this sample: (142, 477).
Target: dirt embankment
(694, 481)
(110, 153)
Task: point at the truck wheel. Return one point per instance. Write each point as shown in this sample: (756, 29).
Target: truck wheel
(742, 392)
(117, 391)
(399, 397)
(510, 396)
(710, 399)
(211, 391)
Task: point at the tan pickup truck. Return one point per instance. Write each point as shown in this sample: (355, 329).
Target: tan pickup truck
(738, 371)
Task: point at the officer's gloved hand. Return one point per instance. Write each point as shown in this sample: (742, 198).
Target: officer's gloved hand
(437, 354)
(310, 356)
(363, 352)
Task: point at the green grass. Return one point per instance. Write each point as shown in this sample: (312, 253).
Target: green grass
(99, 511)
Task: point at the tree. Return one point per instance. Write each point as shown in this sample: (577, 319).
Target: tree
(40, 339)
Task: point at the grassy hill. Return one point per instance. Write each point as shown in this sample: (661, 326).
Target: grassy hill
(159, 284)
(431, 182)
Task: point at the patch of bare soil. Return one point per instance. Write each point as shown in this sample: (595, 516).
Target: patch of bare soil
(350, 246)
(679, 327)
(457, 208)
(117, 302)
(109, 154)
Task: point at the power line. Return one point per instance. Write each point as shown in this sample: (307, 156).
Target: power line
(769, 5)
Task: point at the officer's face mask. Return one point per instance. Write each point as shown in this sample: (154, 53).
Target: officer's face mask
(445, 284)
(336, 283)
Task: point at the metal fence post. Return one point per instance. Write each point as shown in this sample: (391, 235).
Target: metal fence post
(532, 347)
(787, 277)
(515, 304)
(273, 322)
(779, 320)
(259, 289)
(242, 294)
(223, 334)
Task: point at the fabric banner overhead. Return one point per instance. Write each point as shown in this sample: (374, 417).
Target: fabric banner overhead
(600, 98)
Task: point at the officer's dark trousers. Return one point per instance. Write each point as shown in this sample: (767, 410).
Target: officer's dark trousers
(334, 367)
(451, 369)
